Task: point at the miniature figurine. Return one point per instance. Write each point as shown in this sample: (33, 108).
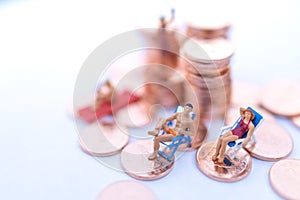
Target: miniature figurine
(184, 126)
(244, 125)
(164, 23)
(106, 103)
(104, 93)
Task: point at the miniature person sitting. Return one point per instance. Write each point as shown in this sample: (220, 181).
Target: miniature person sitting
(184, 125)
(236, 133)
(104, 93)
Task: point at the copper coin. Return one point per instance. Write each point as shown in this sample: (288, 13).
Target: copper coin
(125, 190)
(296, 121)
(244, 93)
(233, 113)
(282, 98)
(98, 140)
(284, 177)
(135, 162)
(208, 50)
(133, 115)
(272, 142)
(240, 168)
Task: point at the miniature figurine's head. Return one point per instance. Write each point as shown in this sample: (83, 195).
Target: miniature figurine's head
(162, 20)
(188, 107)
(249, 114)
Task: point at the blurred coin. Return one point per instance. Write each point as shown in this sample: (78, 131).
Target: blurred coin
(272, 142)
(134, 115)
(244, 93)
(296, 121)
(98, 140)
(207, 29)
(126, 190)
(135, 162)
(240, 168)
(282, 98)
(284, 177)
(207, 51)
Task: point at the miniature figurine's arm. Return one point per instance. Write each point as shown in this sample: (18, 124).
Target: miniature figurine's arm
(172, 117)
(242, 112)
(249, 135)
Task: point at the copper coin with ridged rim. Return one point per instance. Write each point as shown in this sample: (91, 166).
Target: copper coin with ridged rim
(126, 189)
(98, 140)
(282, 98)
(272, 142)
(135, 162)
(240, 168)
(284, 177)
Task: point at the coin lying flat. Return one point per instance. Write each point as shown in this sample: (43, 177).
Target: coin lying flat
(135, 162)
(282, 98)
(296, 121)
(134, 115)
(127, 189)
(284, 177)
(272, 142)
(240, 168)
(98, 140)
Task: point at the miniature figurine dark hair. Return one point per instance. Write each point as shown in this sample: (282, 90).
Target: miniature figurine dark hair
(189, 105)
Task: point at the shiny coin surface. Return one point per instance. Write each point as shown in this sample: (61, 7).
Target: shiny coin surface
(126, 190)
(296, 121)
(135, 162)
(134, 115)
(98, 140)
(282, 98)
(240, 168)
(272, 142)
(284, 177)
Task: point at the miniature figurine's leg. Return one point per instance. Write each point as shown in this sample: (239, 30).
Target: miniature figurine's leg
(157, 140)
(220, 140)
(225, 141)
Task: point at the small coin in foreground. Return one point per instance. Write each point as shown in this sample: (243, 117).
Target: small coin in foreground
(284, 177)
(272, 142)
(240, 168)
(98, 140)
(135, 162)
(127, 189)
(296, 121)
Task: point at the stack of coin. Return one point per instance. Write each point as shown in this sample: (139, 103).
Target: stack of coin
(208, 71)
(208, 29)
(163, 85)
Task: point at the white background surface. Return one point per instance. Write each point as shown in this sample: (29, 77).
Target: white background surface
(42, 47)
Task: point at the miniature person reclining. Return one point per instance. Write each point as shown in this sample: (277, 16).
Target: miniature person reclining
(236, 133)
(184, 126)
(104, 93)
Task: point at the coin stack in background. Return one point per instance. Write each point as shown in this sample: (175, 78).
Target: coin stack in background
(208, 71)
(207, 27)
